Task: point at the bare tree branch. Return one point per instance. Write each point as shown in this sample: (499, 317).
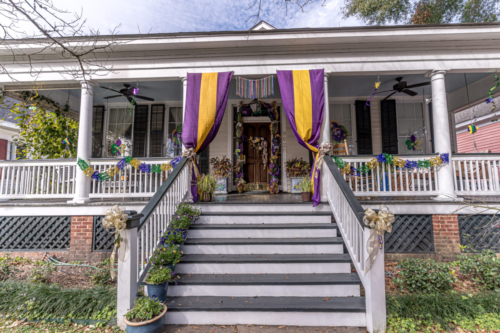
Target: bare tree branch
(286, 4)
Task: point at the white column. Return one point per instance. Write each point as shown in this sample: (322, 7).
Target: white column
(184, 88)
(127, 276)
(441, 130)
(325, 138)
(84, 147)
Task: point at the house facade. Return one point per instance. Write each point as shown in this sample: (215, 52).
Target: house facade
(394, 90)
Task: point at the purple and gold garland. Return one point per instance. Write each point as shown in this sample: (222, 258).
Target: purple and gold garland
(129, 160)
(440, 160)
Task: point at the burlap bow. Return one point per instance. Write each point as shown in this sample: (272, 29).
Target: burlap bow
(324, 149)
(115, 219)
(190, 154)
(380, 224)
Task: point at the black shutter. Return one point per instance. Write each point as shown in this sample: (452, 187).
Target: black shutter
(363, 128)
(389, 127)
(156, 130)
(432, 126)
(97, 128)
(140, 130)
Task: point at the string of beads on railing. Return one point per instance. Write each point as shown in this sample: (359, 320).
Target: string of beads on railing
(129, 160)
(348, 169)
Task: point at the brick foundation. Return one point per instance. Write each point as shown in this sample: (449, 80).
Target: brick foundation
(80, 244)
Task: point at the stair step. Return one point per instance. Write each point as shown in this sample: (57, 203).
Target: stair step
(264, 263)
(280, 230)
(299, 207)
(237, 226)
(269, 279)
(274, 304)
(257, 217)
(263, 241)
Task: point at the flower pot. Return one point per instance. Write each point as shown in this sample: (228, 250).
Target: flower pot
(158, 290)
(221, 187)
(206, 197)
(171, 266)
(154, 325)
(295, 184)
(306, 196)
(179, 245)
(240, 189)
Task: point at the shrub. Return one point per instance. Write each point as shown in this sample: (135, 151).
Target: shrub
(166, 255)
(42, 272)
(173, 236)
(145, 309)
(425, 276)
(305, 184)
(102, 275)
(297, 168)
(159, 275)
(483, 269)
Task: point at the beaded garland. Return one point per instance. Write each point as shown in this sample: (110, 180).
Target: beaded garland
(138, 165)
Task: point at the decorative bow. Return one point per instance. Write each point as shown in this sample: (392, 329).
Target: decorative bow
(323, 150)
(115, 219)
(413, 143)
(190, 154)
(380, 224)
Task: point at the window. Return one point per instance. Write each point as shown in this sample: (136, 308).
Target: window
(389, 127)
(341, 113)
(97, 127)
(411, 122)
(156, 132)
(363, 128)
(120, 127)
(174, 120)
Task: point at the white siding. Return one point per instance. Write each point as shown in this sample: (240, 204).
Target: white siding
(293, 149)
(218, 147)
(376, 126)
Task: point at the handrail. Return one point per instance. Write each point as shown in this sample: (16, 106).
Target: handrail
(348, 193)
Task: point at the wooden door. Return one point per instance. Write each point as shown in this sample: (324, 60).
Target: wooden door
(255, 170)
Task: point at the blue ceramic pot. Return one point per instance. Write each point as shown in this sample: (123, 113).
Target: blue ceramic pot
(158, 290)
(154, 325)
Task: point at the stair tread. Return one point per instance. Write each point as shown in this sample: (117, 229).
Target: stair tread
(263, 241)
(269, 279)
(265, 258)
(274, 304)
(265, 226)
(267, 214)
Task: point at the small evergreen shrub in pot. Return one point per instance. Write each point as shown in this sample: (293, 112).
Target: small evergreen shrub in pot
(146, 316)
(166, 256)
(157, 282)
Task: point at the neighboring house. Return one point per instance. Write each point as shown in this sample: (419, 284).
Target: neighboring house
(8, 130)
(268, 237)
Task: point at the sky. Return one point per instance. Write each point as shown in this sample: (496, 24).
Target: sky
(164, 16)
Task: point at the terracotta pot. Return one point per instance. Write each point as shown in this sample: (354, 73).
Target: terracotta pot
(306, 196)
(154, 325)
(206, 197)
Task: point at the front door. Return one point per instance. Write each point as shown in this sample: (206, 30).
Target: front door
(256, 173)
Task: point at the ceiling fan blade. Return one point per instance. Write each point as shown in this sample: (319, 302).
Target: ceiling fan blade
(108, 97)
(389, 95)
(110, 89)
(399, 79)
(421, 84)
(410, 92)
(144, 97)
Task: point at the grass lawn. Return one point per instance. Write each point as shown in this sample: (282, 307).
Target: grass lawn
(11, 325)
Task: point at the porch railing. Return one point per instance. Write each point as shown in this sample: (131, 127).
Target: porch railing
(142, 239)
(476, 174)
(129, 182)
(348, 215)
(390, 181)
(37, 179)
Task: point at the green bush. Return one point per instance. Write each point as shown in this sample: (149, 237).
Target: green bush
(145, 309)
(483, 269)
(102, 275)
(188, 209)
(425, 276)
(181, 222)
(40, 301)
(420, 312)
(42, 272)
(166, 255)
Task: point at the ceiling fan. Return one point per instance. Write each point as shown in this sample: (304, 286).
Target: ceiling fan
(129, 92)
(403, 87)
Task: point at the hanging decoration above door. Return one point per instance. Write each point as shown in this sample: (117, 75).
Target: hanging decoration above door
(259, 88)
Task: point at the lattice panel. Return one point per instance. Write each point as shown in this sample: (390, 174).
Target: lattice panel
(102, 240)
(35, 233)
(410, 234)
(480, 232)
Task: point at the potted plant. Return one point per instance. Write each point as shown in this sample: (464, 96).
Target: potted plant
(174, 237)
(157, 282)
(181, 222)
(296, 169)
(221, 169)
(146, 316)
(166, 256)
(206, 185)
(305, 189)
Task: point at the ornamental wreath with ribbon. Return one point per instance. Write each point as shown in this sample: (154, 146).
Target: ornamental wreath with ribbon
(380, 223)
(114, 218)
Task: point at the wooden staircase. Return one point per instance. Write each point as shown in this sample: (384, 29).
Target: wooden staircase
(265, 264)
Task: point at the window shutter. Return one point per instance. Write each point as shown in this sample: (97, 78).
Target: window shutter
(389, 127)
(140, 130)
(363, 128)
(97, 129)
(156, 130)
